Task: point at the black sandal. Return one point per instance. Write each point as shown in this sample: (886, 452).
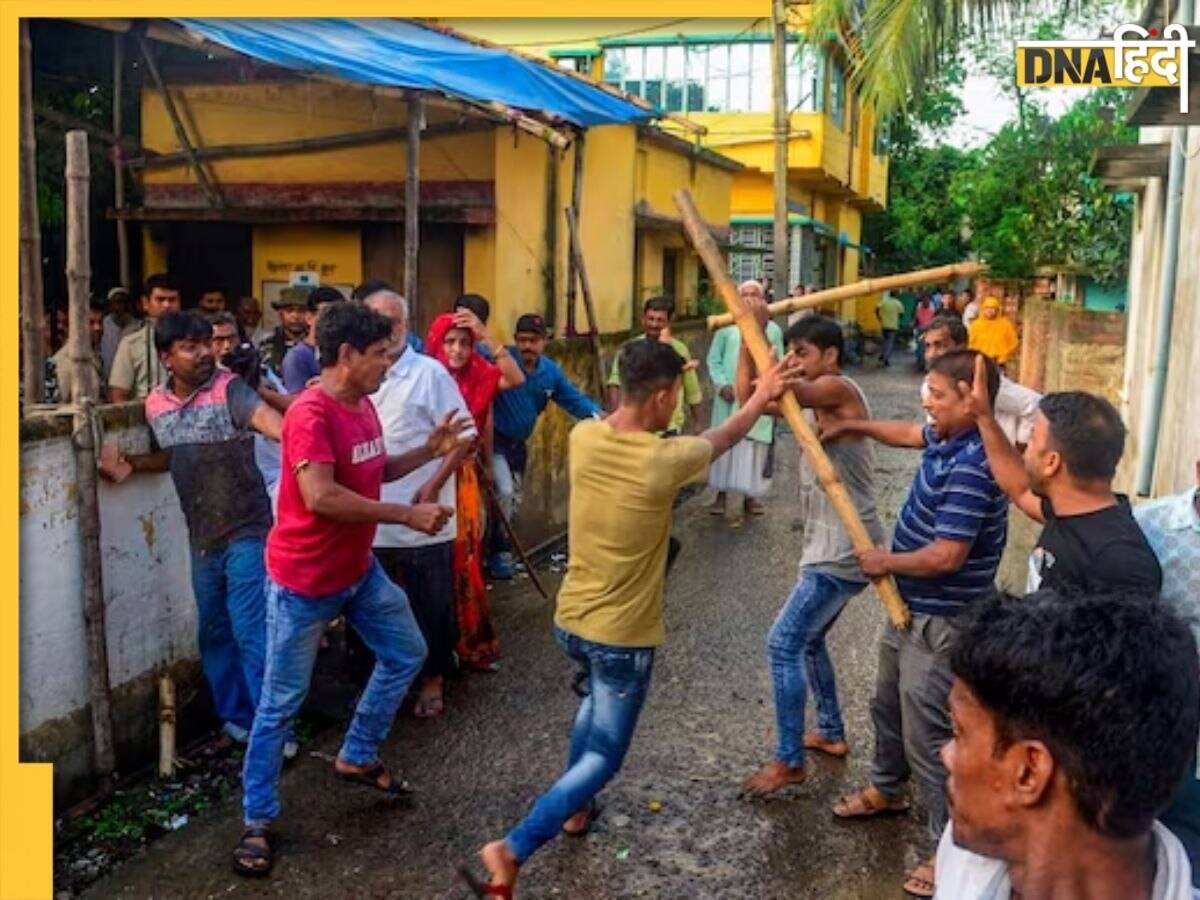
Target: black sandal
(247, 856)
(593, 810)
(395, 789)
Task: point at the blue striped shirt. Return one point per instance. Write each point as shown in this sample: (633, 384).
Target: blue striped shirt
(955, 497)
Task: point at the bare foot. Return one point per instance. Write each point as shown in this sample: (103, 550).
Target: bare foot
(717, 508)
(772, 777)
(920, 881)
(500, 863)
(821, 744)
(578, 822)
(754, 507)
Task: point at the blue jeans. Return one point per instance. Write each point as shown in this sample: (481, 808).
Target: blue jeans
(379, 612)
(799, 660)
(618, 680)
(231, 613)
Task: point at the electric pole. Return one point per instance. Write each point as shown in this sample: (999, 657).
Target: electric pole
(782, 130)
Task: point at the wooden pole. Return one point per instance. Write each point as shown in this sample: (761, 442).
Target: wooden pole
(576, 202)
(756, 342)
(588, 306)
(861, 289)
(118, 161)
(412, 204)
(782, 129)
(79, 276)
(550, 267)
(30, 267)
(166, 727)
(210, 190)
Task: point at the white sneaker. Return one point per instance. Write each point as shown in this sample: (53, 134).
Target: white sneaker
(291, 749)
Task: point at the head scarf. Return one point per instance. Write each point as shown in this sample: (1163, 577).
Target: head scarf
(990, 303)
(478, 381)
(995, 337)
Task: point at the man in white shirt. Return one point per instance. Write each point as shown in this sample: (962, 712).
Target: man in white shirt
(1016, 406)
(1074, 721)
(416, 395)
(970, 308)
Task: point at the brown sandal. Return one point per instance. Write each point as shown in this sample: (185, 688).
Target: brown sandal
(396, 788)
(860, 806)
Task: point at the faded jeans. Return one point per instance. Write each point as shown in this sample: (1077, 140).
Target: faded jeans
(618, 681)
(911, 712)
(232, 633)
(800, 660)
(379, 612)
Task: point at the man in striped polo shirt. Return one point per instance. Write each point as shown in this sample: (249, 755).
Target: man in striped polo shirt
(945, 551)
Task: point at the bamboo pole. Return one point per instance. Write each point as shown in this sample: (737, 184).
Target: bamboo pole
(79, 276)
(118, 160)
(756, 342)
(166, 727)
(412, 204)
(30, 267)
(861, 289)
(589, 306)
(782, 127)
(576, 202)
(210, 190)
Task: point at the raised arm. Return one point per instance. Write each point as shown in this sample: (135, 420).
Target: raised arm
(511, 374)
(1005, 462)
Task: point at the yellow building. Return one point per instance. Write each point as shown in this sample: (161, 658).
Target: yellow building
(493, 203)
(717, 74)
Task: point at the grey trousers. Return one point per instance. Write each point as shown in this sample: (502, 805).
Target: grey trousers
(912, 715)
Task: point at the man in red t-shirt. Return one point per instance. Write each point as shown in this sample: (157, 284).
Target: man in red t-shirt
(320, 566)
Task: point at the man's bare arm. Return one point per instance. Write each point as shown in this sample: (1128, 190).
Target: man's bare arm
(940, 558)
(894, 434)
(323, 496)
(267, 422)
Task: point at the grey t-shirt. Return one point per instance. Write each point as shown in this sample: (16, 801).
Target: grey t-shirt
(210, 449)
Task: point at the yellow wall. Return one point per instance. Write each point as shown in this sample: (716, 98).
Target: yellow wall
(333, 251)
(264, 113)
(662, 171)
(154, 253)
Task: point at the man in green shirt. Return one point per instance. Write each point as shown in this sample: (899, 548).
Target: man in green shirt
(656, 326)
(888, 312)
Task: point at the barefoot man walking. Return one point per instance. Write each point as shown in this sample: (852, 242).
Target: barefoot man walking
(624, 479)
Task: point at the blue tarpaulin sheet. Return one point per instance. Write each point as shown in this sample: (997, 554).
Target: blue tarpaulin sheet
(404, 54)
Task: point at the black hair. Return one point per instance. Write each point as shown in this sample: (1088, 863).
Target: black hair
(959, 365)
(1110, 683)
(187, 325)
(370, 286)
(98, 305)
(1087, 431)
(212, 289)
(351, 323)
(660, 304)
(223, 318)
(954, 325)
(475, 304)
(324, 294)
(648, 366)
(162, 281)
(820, 331)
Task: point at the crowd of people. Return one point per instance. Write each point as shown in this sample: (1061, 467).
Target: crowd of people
(1051, 738)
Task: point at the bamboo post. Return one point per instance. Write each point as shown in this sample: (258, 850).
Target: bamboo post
(861, 289)
(119, 161)
(30, 266)
(79, 276)
(756, 342)
(576, 202)
(588, 306)
(782, 128)
(166, 727)
(412, 203)
(210, 190)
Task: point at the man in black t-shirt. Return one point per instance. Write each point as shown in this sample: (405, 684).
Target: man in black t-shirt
(1091, 542)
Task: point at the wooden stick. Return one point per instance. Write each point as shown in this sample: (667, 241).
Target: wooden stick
(210, 190)
(861, 289)
(118, 162)
(166, 727)
(588, 306)
(79, 276)
(506, 525)
(33, 375)
(756, 342)
(576, 202)
(412, 205)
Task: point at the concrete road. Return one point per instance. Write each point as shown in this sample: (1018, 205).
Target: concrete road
(708, 723)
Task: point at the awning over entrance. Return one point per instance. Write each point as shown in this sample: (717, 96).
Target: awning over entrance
(405, 54)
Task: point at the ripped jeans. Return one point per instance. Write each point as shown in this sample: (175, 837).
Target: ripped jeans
(618, 679)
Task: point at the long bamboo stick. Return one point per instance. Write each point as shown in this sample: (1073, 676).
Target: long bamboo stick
(30, 265)
(756, 342)
(861, 289)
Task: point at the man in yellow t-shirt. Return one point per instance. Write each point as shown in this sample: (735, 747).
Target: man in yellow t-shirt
(889, 312)
(624, 479)
(656, 326)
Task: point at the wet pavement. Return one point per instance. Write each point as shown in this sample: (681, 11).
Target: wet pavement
(707, 724)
